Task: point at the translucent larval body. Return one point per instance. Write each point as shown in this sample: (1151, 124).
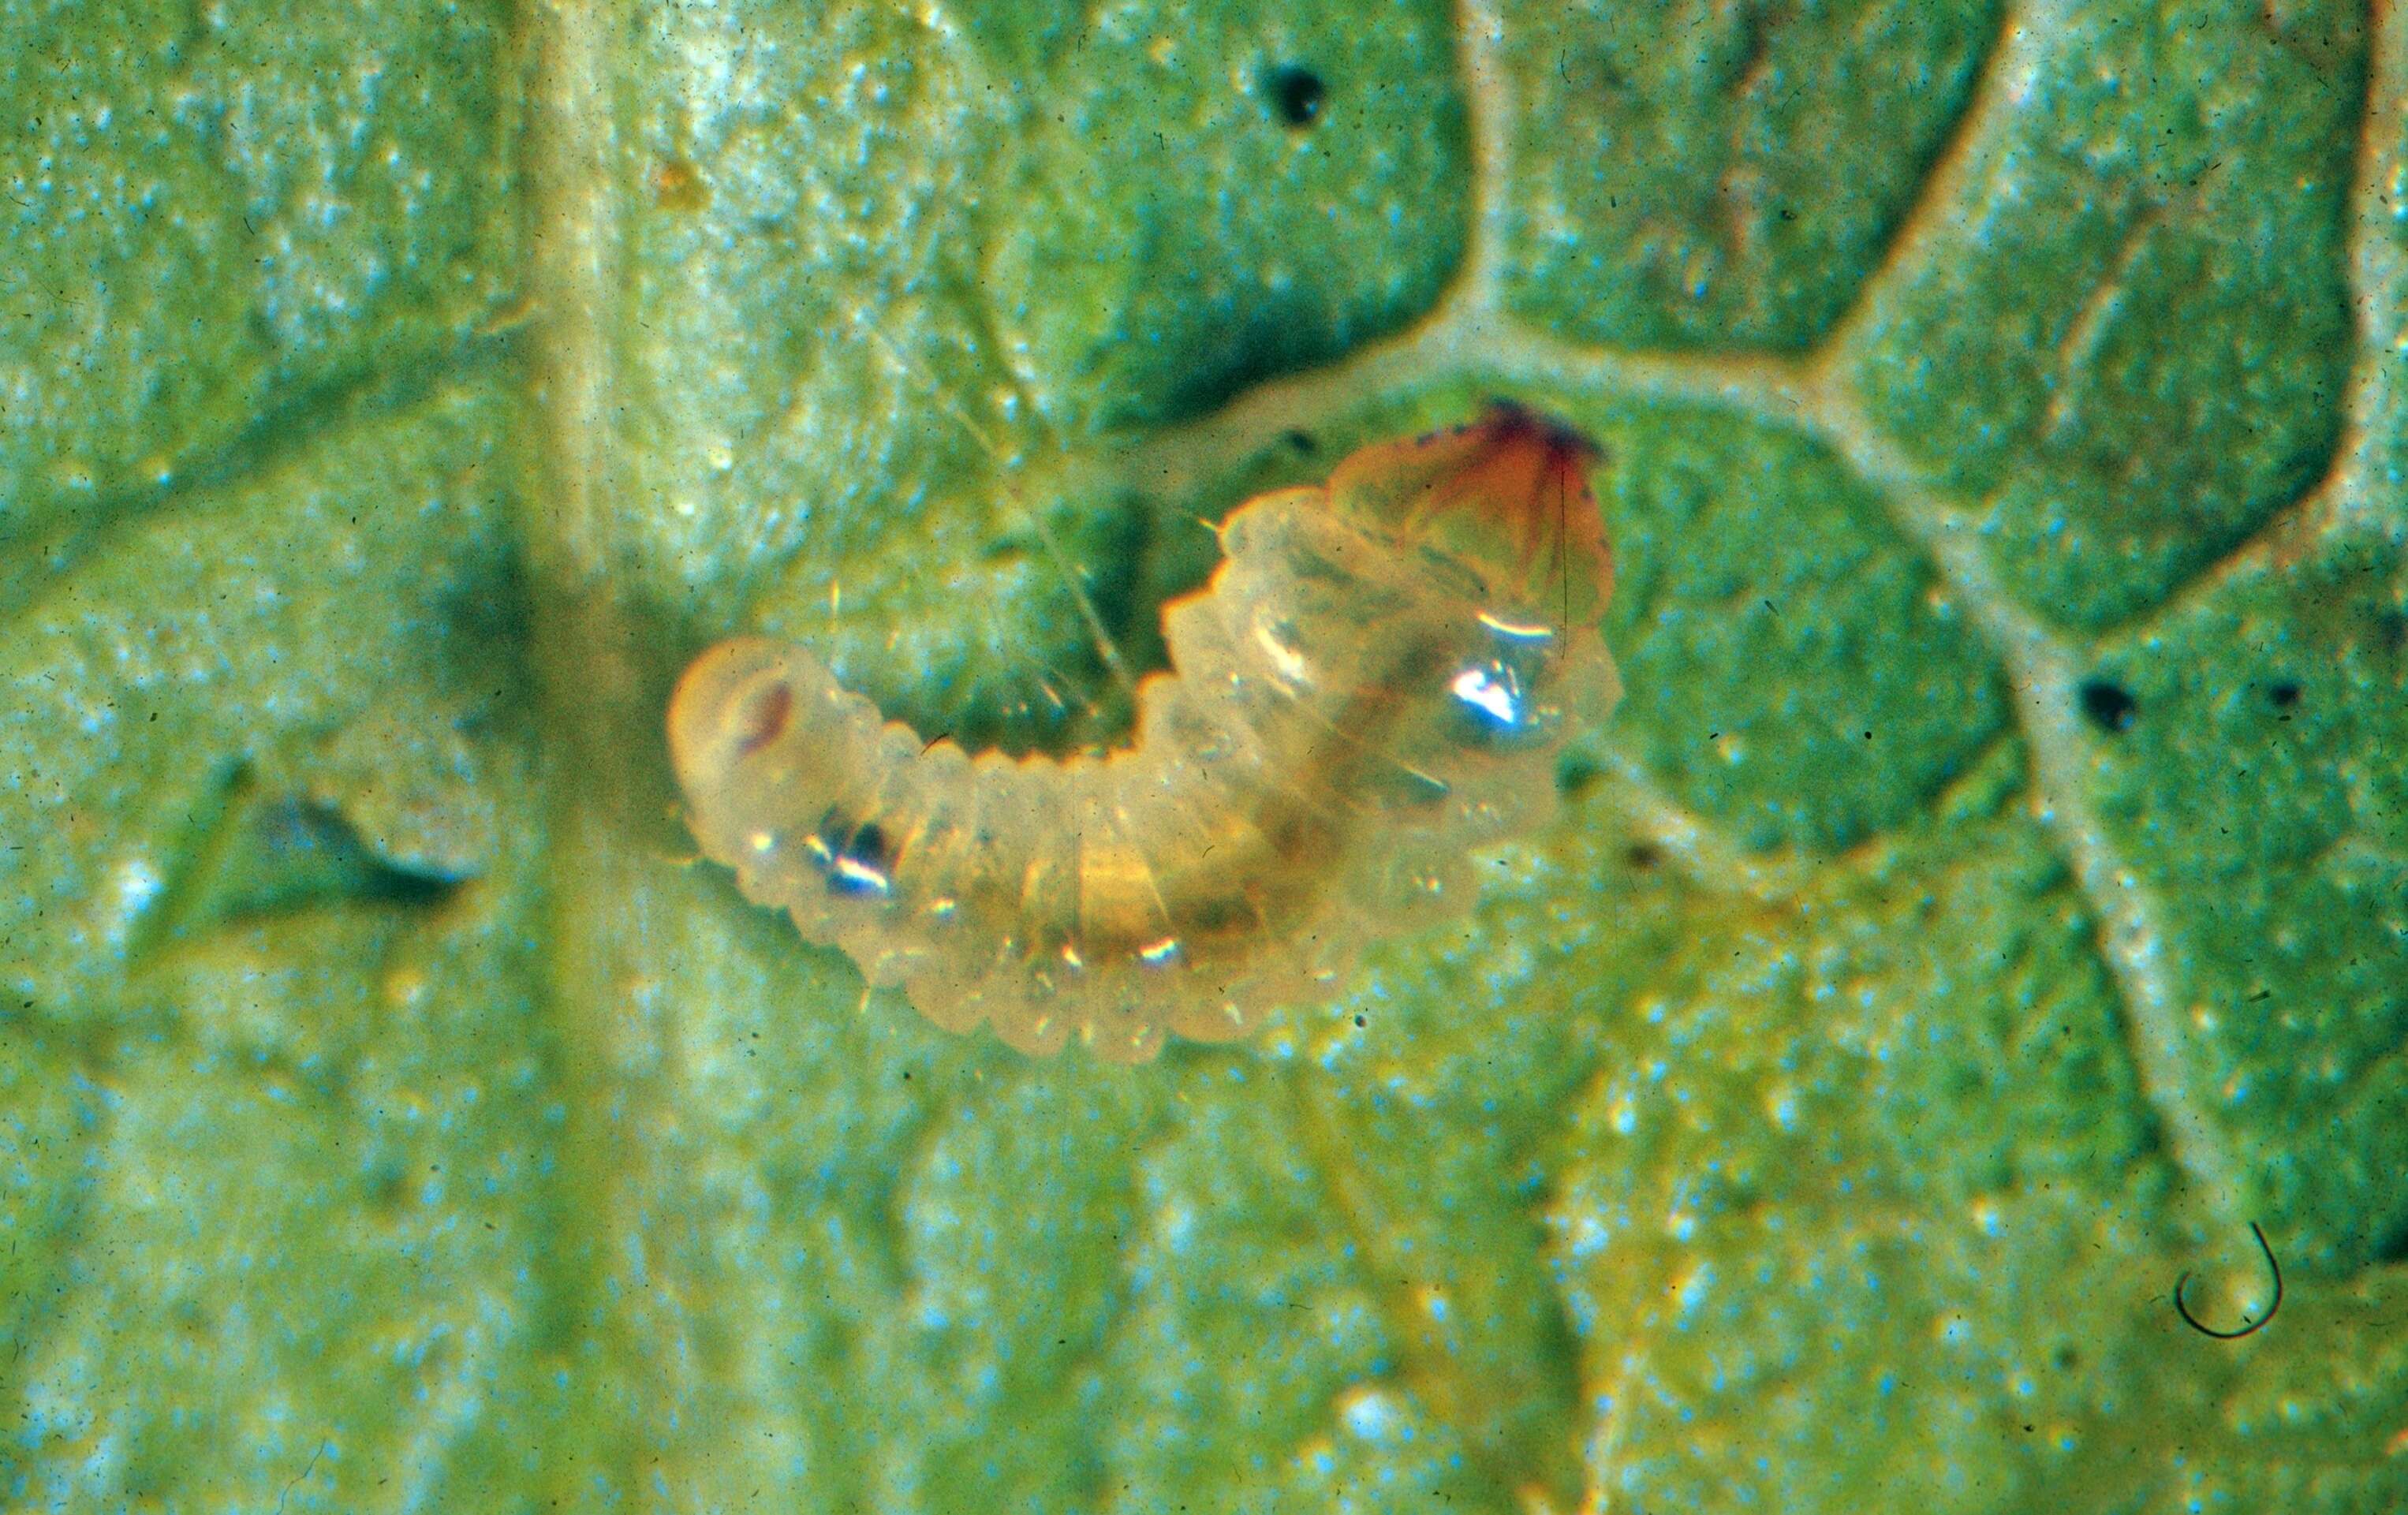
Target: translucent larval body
(1375, 685)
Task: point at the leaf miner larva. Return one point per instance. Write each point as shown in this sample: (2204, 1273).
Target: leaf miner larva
(1376, 683)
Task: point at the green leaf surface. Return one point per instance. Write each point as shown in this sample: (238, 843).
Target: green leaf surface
(1990, 900)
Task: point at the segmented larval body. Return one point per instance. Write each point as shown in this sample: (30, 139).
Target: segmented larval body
(1375, 685)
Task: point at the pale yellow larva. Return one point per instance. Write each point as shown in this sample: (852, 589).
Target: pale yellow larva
(1376, 683)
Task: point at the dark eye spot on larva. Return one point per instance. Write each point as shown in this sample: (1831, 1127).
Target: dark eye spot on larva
(1300, 443)
(2283, 696)
(762, 718)
(1643, 856)
(1295, 93)
(869, 845)
(854, 858)
(2110, 706)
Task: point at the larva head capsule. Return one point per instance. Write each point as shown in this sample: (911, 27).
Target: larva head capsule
(1506, 497)
(739, 730)
(733, 702)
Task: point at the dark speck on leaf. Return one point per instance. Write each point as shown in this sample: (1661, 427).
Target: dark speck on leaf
(2109, 706)
(2390, 630)
(1295, 93)
(2284, 696)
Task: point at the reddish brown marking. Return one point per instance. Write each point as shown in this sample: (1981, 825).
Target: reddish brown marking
(1525, 472)
(764, 718)
(678, 186)
(1520, 471)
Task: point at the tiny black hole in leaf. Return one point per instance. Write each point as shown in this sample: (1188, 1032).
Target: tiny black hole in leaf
(2110, 706)
(2285, 694)
(1295, 93)
(1577, 773)
(2390, 630)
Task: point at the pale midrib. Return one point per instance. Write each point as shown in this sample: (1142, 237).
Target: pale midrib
(607, 1044)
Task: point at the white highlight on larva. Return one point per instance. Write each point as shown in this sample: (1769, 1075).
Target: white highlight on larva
(1376, 683)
